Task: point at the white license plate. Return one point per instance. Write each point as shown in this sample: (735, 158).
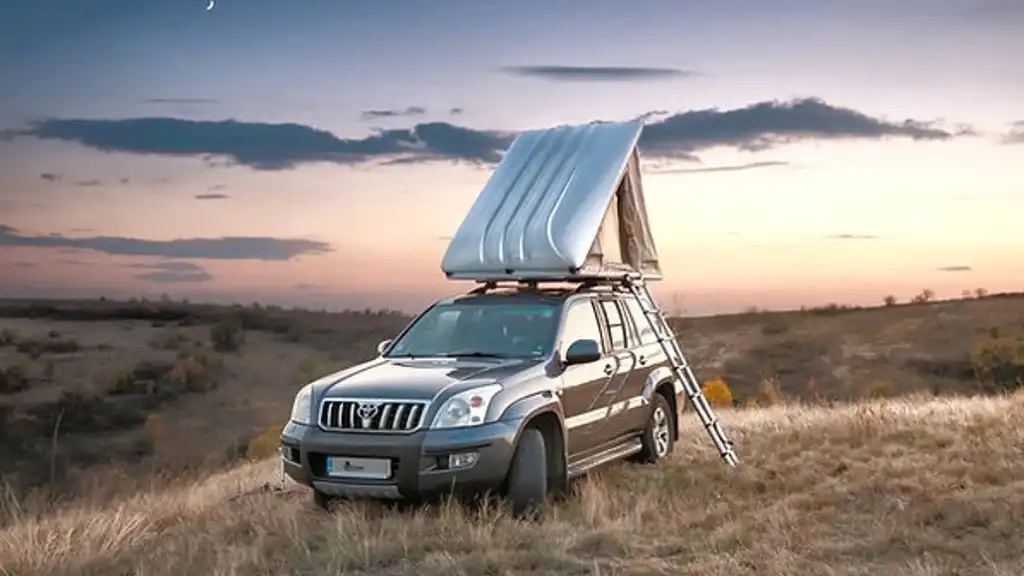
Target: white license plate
(364, 468)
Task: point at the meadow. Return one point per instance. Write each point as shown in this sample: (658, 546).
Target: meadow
(879, 440)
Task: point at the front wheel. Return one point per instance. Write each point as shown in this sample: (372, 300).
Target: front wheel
(528, 475)
(322, 501)
(658, 439)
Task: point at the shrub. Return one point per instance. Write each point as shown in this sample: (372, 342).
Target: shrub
(770, 391)
(998, 362)
(14, 379)
(8, 337)
(718, 393)
(876, 389)
(890, 300)
(265, 444)
(227, 335)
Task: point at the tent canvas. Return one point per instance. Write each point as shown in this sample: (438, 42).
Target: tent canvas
(564, 202)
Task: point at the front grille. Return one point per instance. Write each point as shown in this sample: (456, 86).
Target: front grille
(371, 415)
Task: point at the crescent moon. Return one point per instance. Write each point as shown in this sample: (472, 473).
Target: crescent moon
(211, 5)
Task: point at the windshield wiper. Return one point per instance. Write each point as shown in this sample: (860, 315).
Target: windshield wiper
(473, 354)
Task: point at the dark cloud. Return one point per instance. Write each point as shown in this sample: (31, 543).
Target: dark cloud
(851, 237)
(72, 262)
(211, 196)
(954, 269)
(456, 111)
(1016, 134)
(766, 124)
(51, 177)
(279, 146)
(179, 101)
(728, 168)
(124, 181)
(88, 183)
(225, 248)
(216, 187)
(272, 146)
(556, 73)
(172, 272)
(378, 114)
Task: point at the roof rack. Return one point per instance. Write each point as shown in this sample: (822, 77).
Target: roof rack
(582, 283)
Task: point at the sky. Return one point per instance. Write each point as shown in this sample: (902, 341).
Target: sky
(321, 153)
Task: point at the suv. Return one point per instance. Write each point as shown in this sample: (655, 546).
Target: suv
(508, 390)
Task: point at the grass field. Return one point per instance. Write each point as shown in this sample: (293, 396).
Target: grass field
(916, 486)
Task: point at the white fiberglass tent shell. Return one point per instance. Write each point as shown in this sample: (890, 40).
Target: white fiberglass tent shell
(564, 202)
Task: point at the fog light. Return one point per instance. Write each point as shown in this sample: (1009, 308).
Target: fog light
(463, 459)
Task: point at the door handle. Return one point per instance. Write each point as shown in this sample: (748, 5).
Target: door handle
(608, 369)
(642, 360)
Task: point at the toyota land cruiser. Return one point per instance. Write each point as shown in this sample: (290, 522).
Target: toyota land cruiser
(512, 390)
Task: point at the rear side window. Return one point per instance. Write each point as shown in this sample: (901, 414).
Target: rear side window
(647, 334)
(616, 325)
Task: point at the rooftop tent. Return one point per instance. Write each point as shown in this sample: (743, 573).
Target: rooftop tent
(564, 202)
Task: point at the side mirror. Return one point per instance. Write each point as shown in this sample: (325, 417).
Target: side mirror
(383, 346)
(583, 351)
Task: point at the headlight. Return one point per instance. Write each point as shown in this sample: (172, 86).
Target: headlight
(466, 408)
(302, 408)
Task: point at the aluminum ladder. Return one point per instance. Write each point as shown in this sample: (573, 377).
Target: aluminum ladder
(680, 367)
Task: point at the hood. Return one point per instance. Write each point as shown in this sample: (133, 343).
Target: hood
(418, 379)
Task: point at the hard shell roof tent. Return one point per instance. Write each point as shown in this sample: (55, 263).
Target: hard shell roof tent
(567, 204)
(564, 203)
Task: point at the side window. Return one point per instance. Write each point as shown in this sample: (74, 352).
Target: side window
(580, 322)
(616, 325)
(647, 335)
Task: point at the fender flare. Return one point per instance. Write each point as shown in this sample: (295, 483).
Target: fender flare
(656, 378)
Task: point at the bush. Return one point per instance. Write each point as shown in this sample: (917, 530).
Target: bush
(998, 362)
(718, 393)
(14, 379)
(890, 300)
(227, 335)
(265, 444)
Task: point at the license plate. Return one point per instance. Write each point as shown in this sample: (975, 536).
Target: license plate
(364, 468)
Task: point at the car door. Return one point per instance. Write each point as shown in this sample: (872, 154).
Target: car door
(650, 356)
(612, 399)
(582, 383)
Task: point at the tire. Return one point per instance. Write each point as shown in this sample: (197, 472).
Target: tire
(658, 439)
(322, 501)
(528, 475)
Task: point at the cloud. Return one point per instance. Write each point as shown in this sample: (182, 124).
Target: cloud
(954, 269)
(88, 183)
(764, 125)
(378, 114)
(1016, 133)
(179, 101)
(51, 177)
(456, 111)
(124, 181)
(224, 248)
(26, 264)
(727, 168)
(265, 146)
(172, 272)
(555, 73)
(851, 237)
(211, 196)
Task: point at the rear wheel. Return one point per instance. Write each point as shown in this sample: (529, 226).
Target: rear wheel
(528, 475)
(657, 439)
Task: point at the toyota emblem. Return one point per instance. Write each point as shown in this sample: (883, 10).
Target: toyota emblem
(366, 412)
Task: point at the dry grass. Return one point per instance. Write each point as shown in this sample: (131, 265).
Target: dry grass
(915, 486)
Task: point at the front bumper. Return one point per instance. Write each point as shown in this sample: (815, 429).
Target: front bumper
(418, 460)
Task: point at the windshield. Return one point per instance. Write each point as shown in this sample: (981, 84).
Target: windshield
(488, 329)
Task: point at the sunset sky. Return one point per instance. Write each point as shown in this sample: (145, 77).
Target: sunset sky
(321, 152)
